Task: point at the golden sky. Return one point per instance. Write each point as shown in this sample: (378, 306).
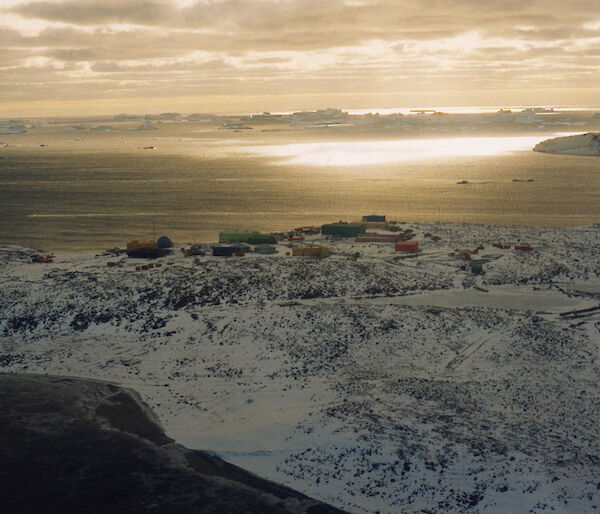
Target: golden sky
(107, 56)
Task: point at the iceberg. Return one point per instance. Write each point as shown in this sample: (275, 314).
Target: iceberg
(12, 129)
(582, 144)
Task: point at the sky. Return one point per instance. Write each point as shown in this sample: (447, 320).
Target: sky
(78, 57)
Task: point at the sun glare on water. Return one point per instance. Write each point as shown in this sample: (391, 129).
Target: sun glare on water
(363, 153)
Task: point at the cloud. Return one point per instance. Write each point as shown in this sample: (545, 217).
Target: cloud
(162, 67)
(276, 15)
(240, 47)
(92, 12)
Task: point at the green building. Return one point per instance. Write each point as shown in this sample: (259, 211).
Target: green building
(246, 236)
(343, 229)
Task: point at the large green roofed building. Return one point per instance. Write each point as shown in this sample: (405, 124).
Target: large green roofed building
(342, 229)
(246, 236)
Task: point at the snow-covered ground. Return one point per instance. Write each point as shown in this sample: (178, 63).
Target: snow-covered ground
(382, 382)
(581, 144)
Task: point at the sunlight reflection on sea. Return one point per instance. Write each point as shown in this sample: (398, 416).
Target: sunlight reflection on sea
(366, 153)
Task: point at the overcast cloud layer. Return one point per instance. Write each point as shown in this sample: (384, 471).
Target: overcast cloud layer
(255, 54)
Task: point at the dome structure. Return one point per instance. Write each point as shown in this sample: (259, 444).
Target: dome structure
(164, 242)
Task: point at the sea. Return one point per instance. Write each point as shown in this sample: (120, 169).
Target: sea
(69, 188)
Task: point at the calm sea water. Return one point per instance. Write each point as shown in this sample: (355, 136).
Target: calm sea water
(105, 189)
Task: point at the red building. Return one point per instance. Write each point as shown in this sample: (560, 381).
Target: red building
(407, 246)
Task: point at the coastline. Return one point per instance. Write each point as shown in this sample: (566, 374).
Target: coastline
(491, 228)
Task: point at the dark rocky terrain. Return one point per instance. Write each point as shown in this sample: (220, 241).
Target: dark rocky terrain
(71, 446)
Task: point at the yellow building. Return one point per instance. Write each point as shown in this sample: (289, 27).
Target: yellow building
(141, 245)
(145, 249)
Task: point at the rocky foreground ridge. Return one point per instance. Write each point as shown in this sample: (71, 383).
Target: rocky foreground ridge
(73, 445)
